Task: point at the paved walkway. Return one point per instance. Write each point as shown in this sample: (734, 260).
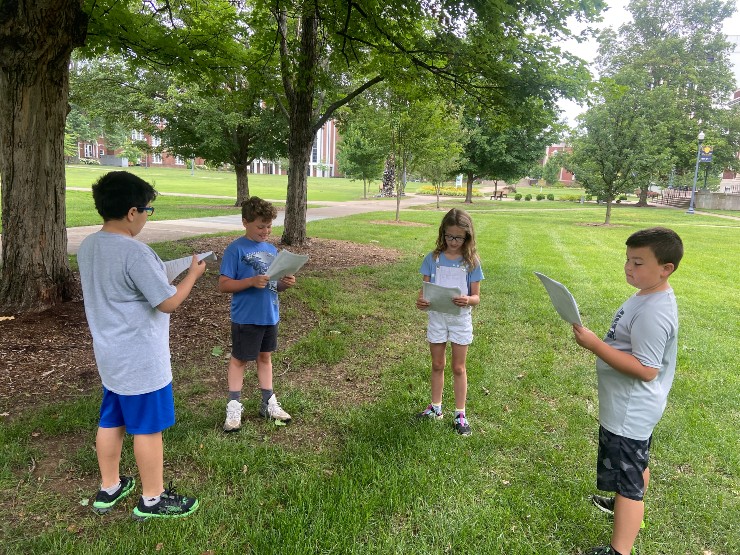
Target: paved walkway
(156, 231)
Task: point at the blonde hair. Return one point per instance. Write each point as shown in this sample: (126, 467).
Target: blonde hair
(459, 218)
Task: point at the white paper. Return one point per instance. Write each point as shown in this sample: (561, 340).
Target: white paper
(177, 266)
(561, 299)
(440, 298)
(285, 264)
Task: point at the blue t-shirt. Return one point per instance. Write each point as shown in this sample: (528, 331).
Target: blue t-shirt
(245, 258)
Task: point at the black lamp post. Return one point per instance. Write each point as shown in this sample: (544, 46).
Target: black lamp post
(696, 173)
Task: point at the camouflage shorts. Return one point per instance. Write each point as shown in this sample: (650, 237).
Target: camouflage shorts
(621, 463)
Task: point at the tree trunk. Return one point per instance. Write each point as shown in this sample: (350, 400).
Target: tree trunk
(469, 189)
(364, 188)
(608, 219)
(36, 41)
(294, 230)
(242, 183)
(643, 197)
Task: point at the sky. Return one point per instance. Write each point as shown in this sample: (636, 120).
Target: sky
(616, 16)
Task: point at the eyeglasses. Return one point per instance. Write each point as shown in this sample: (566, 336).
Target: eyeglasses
(454, 238)
(148, 209)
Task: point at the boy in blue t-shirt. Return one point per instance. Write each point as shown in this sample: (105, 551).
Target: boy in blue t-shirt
(635, 367)
(254, 310)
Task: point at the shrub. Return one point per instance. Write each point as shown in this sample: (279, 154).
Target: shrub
(550, 196)
(540, 196)
(622, 197)
(589, 197)
(446, 191)
(528, 197)
(518, 196)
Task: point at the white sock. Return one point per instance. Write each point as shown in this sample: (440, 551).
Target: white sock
(113, 489)
(150, 501)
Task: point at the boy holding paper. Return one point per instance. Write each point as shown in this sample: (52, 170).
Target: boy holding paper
(635, 367)
(254, 310)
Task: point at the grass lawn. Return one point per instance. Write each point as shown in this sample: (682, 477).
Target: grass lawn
(359, 475)
(171, 180)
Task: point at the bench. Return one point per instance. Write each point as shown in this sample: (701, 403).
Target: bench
(499, 195)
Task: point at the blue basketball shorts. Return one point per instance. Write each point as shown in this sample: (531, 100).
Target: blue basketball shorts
(147, 413)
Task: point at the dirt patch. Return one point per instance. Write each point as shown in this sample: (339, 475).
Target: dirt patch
(48, 356)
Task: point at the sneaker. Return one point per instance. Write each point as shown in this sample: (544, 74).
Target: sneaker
(462, 426)
(605, 504)
(603, 550)
(104, 502)
(170, 505)
(274, 411)
(233, 416)
(430, 413)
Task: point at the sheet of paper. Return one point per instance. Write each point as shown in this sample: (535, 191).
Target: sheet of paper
(561, 299)
(285, 264)
(177, 266)
(441, 298)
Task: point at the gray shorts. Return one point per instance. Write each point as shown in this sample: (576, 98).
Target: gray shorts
(249, 340)
(621, 463)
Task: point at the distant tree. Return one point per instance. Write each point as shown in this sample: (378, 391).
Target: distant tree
(362, 148)
(498, 148)
(551, 170)
(606, 157)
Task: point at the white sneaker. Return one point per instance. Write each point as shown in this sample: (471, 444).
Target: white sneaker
(233, 416)
(274, 411)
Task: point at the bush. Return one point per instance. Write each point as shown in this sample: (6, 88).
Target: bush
(622, 197)
(447, 191)
(550, 196)
(528, 197)
(518, 196)
(540, 196)
(589, 197)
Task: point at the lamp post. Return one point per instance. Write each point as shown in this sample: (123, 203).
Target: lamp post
(696, 173)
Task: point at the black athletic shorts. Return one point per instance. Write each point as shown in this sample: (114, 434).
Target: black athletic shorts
(621, 463)
(249, 340)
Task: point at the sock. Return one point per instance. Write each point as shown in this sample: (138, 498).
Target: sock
(235, 395)
(458, 412)
(113, 489)
(266, 394)
(614, 550)
(150, 501)
(437, 408)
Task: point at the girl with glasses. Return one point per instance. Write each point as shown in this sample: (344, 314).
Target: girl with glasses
(454, 262)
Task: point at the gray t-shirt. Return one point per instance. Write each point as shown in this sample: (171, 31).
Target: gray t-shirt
(123, 280)
(645, 326)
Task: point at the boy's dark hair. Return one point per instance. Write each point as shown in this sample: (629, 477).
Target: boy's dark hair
(665, 244)
(117, 192)
(255, 207)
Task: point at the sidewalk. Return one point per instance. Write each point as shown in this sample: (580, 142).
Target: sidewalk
(156, 231)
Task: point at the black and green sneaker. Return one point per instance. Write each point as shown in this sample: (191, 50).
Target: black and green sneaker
(170, 505)
(104, 502)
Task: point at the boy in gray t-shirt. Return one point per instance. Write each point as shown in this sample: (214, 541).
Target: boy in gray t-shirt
(635, 368)
(128, 302)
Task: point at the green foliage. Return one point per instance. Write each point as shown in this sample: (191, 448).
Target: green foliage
(446, 190)
(540, 196)
(550, 196)
(528, 197)
(518, 196)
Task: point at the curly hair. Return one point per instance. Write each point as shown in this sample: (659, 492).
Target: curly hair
(459, 218)
(255, 207)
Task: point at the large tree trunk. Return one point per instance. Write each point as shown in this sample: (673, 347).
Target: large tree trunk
(299, 91)
(469, 189)
(36, 41)
(242, 182)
